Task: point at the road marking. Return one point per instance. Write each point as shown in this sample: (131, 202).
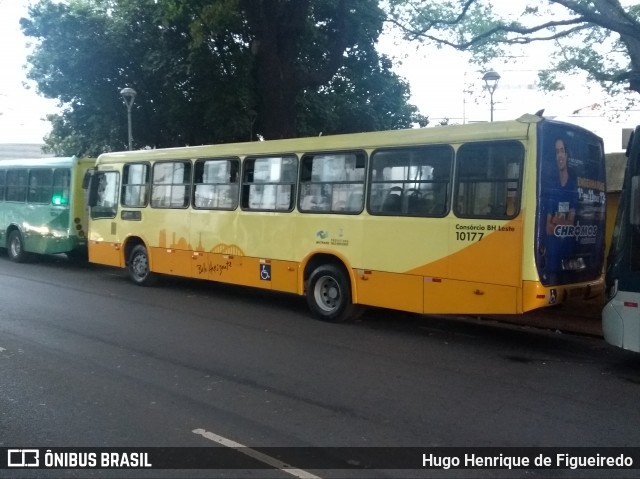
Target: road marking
(273, 462)
(2, 349)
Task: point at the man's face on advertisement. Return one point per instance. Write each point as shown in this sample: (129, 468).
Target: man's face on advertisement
(561, 155)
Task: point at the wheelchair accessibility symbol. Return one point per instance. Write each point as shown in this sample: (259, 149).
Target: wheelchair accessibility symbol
(265, 272)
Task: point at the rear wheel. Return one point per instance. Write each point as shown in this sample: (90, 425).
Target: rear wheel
(329, 294)
(16, 247)
(138, 267)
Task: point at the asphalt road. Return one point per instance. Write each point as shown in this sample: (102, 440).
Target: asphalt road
(89, 360)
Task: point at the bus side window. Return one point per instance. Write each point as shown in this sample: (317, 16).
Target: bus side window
(410, 181)
(135, 185)
(269, 183)
(216, 183)
(633, 232)
(488, 179)
(103, 194)
(171, 184)
(332, 182)
(40, 185)
(634, 211)
(16, 185)
(2, 184)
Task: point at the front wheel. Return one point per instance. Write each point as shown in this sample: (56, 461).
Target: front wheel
(16, 247)
(138, 267)
(329, 294)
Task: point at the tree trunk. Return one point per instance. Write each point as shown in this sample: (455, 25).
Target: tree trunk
(633, 47)
(277, 96)
(277, 26)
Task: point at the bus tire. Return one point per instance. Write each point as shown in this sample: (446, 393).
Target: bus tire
(138, 267)
(15, 247)
(329, 294)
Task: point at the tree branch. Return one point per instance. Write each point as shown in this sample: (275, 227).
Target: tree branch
(503, 28)
(606, 15)
(335, 54)
(436, 23)
(611, 16)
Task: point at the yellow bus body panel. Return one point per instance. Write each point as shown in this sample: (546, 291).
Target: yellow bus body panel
(466, 297)
(390, 290)
(495, 258)
(103, 252)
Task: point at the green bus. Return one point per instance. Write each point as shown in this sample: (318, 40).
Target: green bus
(42, 206)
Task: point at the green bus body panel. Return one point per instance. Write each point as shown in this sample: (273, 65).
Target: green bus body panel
(47, 228)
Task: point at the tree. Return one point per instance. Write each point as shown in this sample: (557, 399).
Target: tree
(88, 51)
(599, 37)
(211, 71)
(363, 95)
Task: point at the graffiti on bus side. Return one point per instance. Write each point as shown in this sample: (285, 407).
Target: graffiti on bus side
(211, 268)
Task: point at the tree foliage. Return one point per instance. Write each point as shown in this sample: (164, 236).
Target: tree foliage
(211, 71)
(599, 37)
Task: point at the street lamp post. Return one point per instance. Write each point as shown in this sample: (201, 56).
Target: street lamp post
(491, 83)
(129, 95)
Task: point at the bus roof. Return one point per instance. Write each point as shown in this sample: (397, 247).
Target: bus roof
(57, 162)
(513, 129)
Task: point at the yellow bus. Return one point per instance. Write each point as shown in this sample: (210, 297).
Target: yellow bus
(465, 219)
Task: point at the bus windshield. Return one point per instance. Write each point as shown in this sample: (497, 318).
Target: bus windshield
(571, 205)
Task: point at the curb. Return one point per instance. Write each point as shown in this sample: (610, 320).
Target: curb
(572, 316)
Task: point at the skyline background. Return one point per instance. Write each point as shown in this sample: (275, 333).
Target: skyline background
(22, 110)
(444, 86)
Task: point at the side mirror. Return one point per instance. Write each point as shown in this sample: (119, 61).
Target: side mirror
(91, 181)
(86, 179)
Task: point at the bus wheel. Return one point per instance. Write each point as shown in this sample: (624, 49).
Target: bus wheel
(138, 267)
(16, 247)
(329, 294)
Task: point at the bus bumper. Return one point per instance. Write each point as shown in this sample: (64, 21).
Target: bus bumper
(535, 295)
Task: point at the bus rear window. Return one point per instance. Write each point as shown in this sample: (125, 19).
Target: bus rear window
(61, 183)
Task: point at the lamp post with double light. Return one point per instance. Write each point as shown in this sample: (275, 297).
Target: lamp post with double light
(491, 79)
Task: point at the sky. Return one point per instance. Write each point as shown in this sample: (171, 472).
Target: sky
(22, 110)
(452, 88)
(443, 83)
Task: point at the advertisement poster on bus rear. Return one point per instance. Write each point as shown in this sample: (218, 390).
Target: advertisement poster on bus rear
(571, 208)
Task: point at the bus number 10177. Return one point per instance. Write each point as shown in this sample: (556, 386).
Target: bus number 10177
(468, 236)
